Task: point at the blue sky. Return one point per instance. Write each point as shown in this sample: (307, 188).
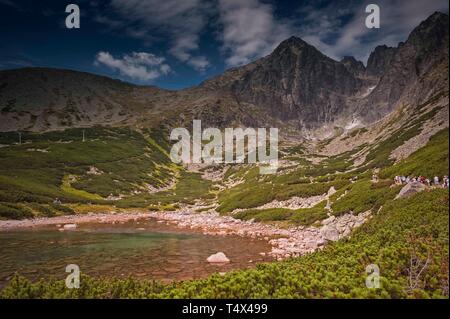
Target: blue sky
(179, 43)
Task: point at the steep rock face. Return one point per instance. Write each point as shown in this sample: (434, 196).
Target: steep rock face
(354, 66)
(297, 82)
(379, 59)
(430, 42)
(417, 70)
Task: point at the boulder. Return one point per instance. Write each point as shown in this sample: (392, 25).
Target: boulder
(329, 233)
(218, 258)
(411, 189)
(69, 226)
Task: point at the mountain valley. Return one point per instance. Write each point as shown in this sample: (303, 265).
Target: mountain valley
(74, 143)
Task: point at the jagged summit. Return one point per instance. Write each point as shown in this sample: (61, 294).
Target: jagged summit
(434, 26)
(292, 41)
(379, 59)
(355, 67)
(413, 71)
(431, 35)
(296, 45)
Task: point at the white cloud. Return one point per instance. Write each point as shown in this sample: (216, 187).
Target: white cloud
(140, 66)
(199, 62)
(250, 30)
(182, 21)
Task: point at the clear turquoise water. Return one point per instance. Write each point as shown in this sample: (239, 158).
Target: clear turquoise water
(155, 252)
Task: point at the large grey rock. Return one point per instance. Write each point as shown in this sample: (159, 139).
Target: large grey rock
(330, 233)
(411, 189)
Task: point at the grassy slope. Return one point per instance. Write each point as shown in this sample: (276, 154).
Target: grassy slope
(302, 216)
(55, 165)
(378, 156)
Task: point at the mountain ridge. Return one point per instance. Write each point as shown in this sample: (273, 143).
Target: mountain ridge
(296, 86)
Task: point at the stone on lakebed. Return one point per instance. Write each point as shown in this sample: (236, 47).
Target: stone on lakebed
(218, 258)
(69, 226)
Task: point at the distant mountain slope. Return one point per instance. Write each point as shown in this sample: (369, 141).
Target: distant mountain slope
(44, 99)
(295, 87)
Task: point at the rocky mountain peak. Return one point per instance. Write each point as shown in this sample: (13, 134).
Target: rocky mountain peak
(379, 59)
(429, 40)
(435, 28)
(296, 46)
(297, 82)
(291, 42)
(417, 68)
(354, 66)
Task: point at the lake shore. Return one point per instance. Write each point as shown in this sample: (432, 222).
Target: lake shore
(9, 225)
(285, 242)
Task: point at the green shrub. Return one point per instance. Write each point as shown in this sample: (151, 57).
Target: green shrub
(302, 216)
(362, 196)
(14, 211)
(308, 216)
(259, 215)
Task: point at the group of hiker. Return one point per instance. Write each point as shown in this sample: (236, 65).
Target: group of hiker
(435, 181)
